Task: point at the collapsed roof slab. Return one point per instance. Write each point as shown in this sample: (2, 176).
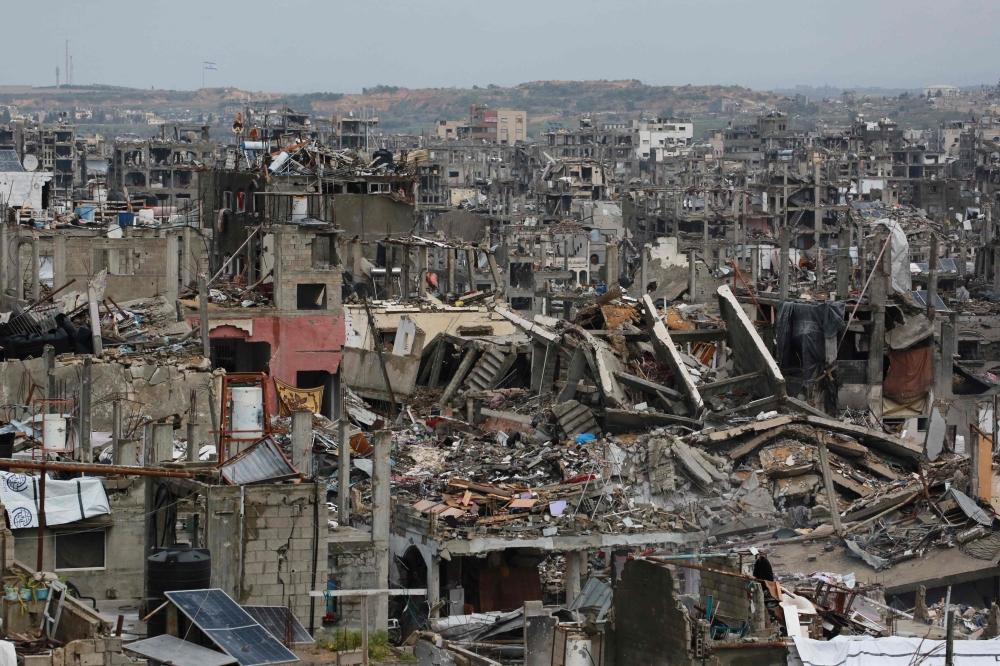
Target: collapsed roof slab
(937, 568)
(667, 353)
(571, 543)
(749, 352)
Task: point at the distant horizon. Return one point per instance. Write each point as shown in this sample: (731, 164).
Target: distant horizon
(773, 89)
(304, 46)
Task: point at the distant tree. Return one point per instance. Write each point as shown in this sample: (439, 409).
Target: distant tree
(939, 93)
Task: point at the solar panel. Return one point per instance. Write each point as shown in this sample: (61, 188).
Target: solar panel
(231, 628)
(171, 650)
(275, 618)
(9, 161)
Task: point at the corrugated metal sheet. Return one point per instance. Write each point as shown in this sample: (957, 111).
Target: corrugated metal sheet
(595, 594)
(261, 463)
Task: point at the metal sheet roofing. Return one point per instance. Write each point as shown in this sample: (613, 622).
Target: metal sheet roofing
(9, 161)
(261, 463)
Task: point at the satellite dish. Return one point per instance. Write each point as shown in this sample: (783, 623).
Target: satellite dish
(30, 163)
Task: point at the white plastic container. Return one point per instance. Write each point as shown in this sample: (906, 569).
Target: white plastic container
(54, 432)
(248, 413)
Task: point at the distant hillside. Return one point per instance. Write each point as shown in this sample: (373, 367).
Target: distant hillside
(412, 110)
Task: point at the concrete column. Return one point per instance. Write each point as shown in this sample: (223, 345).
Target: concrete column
(5, 242)
(692, 277)
(422, 270)
(170, 286)
(302, 455)
(450, 255)
(876, 344)
(95, 319)
(783, 239)
(434, 584)
(49, 358)
(407, 284)
(19, 272)
(643, 273)
(932, 258)
(949, 348)
(193, 445)
(704, 237)
(161, 444)
(720, 260)
(116, 432)
(357, 272)
(186, 272)
(381, 479)
(574, 569)
(820, 278)
(755, 266)
(470, 259)
(343, 455)
(843, 263)
(59, 260)
(86, 419)
(611, 271)
(203, 293)
(36, 285)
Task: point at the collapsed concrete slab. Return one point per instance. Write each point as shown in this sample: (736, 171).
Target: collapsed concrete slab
(749, 352)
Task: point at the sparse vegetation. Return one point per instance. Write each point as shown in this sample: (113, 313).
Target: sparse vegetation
(378, 644)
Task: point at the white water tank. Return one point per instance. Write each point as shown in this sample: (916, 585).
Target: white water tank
(578, 651)
(54, 432)
(300, 207)
(248, 412)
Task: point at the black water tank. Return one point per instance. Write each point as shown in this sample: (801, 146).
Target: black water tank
(382, 156)
(177, 567)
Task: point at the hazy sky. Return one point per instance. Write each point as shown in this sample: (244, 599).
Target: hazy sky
(334, 46)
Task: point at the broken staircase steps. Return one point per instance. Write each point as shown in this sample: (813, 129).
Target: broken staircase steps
(575, 419)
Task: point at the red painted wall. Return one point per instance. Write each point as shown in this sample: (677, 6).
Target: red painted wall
(302, 342)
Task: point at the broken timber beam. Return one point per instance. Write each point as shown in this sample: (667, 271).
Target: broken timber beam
(667, 353)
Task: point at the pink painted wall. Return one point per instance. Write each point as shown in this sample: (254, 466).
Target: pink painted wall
(301, 342)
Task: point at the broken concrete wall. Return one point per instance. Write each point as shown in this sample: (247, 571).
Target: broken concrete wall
(150, 390)
(729, 594)
(651, 626)
(749, 352)
(304, 277)
(121, 577)
(363, 373)
(352, 566)
(282, 540)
